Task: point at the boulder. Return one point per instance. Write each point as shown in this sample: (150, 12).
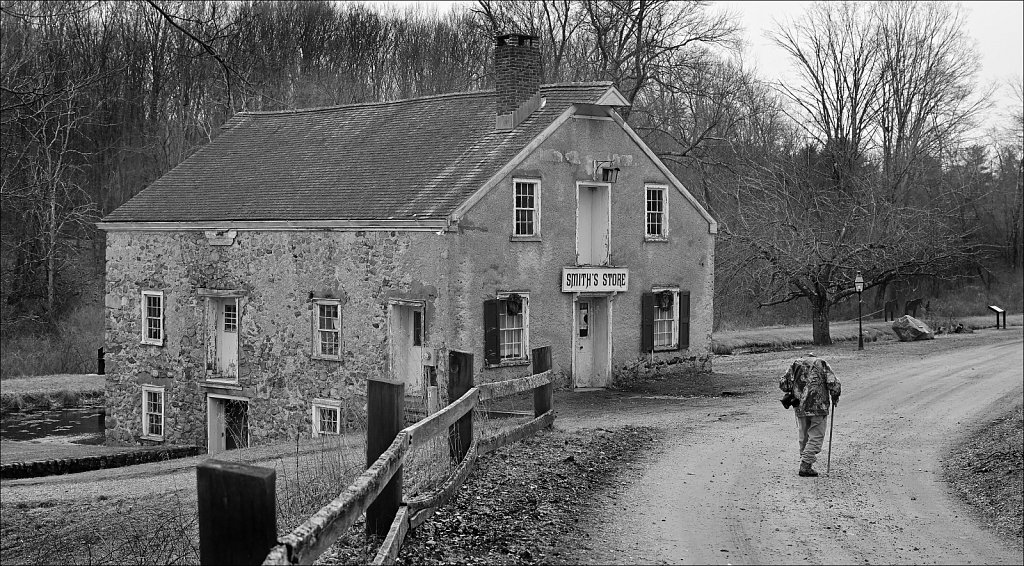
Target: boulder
(908, 328)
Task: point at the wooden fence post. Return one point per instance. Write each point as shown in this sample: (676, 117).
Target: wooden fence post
(542, 395)
(460, 380)
(385, 408)
(237, 512)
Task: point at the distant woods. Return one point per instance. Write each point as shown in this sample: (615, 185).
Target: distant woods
(98, 99)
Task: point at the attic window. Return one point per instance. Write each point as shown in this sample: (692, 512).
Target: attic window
(526, 209)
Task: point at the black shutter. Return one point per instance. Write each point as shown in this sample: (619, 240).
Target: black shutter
(647, 322)
(492, 355)
(684, 320)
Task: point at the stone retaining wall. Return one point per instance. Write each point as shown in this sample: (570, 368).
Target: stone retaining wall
(86, 464)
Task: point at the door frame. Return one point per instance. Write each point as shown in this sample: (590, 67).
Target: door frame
(419, 304)
(580, 185)
(573, 306)
(212, 398)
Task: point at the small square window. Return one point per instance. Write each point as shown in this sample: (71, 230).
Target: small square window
(153, 317)
(327, 329)
(231, 316)
(153, 412)
(326, 419)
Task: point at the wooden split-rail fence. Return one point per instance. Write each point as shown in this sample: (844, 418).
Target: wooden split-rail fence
(237, 505)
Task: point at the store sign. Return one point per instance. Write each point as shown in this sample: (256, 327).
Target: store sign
(594, 279)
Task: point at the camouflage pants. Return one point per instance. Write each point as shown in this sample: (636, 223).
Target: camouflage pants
(811, 435)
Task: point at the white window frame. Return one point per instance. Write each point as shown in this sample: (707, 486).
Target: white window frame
(317, 342)
(675, 319)
(146, 433)
(146, 339)
(502, 310)
(664, 213)
(325, 404)
(536, 208)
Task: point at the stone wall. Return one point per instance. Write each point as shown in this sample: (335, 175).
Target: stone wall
(279, 272)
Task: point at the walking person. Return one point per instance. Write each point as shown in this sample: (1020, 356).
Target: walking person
(809, 385)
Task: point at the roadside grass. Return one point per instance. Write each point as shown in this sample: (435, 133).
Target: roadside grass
(788, 337)
(986, 470)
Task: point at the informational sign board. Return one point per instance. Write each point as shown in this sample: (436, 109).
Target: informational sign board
(595, 279)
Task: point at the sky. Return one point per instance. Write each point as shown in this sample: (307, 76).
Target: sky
(997, 27)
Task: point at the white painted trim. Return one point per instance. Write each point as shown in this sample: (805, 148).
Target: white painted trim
(527, 352)
(536, 208)
(664, 216)
(317, 354)
(712, 223)
(278, 225)
(511, 165)
(228, 397)
(145, 318)
(675, 319)
(612, 97)
(607, 186)
(315, 414)
(146, 434)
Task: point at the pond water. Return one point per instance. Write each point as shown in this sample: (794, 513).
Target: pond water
(79, 425)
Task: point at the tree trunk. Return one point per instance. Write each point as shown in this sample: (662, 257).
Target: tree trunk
(51, 293)
(819, 321)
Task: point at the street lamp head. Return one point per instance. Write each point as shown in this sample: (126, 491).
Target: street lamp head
(858, 282)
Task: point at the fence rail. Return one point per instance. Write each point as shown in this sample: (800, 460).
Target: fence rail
(313, 537)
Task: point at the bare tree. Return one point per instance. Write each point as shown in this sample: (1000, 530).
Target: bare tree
(835, 49)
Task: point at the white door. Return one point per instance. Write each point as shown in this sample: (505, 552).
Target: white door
(215, 429)
(227, 338)
(593, 230)
(591, 353)
(406, 338)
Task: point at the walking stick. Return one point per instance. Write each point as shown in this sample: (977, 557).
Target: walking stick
(828, 463)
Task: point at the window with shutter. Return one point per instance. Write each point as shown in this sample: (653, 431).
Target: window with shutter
(492, 353)
(647, 322)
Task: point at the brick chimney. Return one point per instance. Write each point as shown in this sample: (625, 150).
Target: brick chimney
(516, 75)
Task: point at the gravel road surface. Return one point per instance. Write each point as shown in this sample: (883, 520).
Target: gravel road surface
(725, 489)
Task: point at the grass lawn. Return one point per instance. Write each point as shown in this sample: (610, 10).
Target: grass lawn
(22, 451)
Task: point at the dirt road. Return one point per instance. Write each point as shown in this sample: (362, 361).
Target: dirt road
(725, 489)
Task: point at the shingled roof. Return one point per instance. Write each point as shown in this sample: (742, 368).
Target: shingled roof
(415, 159)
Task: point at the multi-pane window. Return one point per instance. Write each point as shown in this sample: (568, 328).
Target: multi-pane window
(655, 216)
(327, 328)
(326, 419)
(664, 320)
(153, 412)
(512, 327)
(231, 316)
(525, 219)
(153, 317)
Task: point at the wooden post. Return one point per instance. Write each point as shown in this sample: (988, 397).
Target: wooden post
(237, 512)
(100, 365)
(460, 380)
(542, 395)
(385, 408)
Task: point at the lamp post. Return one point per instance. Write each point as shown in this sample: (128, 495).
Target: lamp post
(859, 284)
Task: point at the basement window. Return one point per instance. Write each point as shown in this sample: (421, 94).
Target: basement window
(153, 412)
(153, 318)
(326, 418)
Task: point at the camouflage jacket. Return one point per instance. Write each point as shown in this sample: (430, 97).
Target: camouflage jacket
(812, 380)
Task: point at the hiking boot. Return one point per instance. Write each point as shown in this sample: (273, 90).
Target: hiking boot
(807, 471)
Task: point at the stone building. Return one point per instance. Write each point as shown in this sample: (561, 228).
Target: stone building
(253, 289)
